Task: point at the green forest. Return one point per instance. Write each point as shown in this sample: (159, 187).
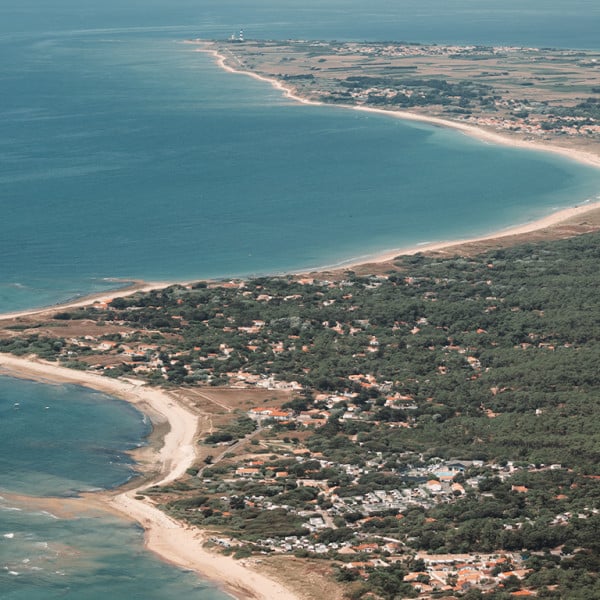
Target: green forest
(492, 358)
(514, 333)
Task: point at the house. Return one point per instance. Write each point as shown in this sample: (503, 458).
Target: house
(433, 486)
(368, 548)
(269, 413)
(247, 472)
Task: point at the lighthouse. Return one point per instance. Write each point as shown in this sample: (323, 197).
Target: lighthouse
(241, 36)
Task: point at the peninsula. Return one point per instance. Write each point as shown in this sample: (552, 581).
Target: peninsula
(542, 98)
(427, 430)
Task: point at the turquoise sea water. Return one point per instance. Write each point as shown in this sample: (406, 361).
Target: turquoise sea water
(43, 557)
(126, 154)
(57, 441)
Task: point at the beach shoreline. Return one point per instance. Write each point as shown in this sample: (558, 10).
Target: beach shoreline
(174, 542)
(580, 156)
(134, 286)
(554, 218)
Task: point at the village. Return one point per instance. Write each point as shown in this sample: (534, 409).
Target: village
(427, 485)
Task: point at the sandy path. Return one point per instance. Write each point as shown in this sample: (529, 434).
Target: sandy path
(171, 540)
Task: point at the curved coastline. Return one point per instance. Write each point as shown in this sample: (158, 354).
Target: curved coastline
(583, 157)
(174, 542)
(553, 219)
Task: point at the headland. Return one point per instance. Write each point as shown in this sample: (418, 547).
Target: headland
(503, 95)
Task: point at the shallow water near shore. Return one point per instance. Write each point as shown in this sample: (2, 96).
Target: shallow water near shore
(57, 440)
(47, 557)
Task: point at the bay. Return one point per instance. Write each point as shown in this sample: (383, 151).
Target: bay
(58, 440)
(130, 155)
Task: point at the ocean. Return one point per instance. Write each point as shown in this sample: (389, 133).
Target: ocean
(57, 441)
(126, 154)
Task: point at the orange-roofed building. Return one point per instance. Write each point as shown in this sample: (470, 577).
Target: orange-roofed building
(368, 548)
(261, 410)
(434, 485)
(456, 487)
(518, 573)
(424, 588)
(279, 415)
(414, 576)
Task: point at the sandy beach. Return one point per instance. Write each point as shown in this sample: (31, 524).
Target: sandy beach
(174, 542)
(128, 290)
(556, 218)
